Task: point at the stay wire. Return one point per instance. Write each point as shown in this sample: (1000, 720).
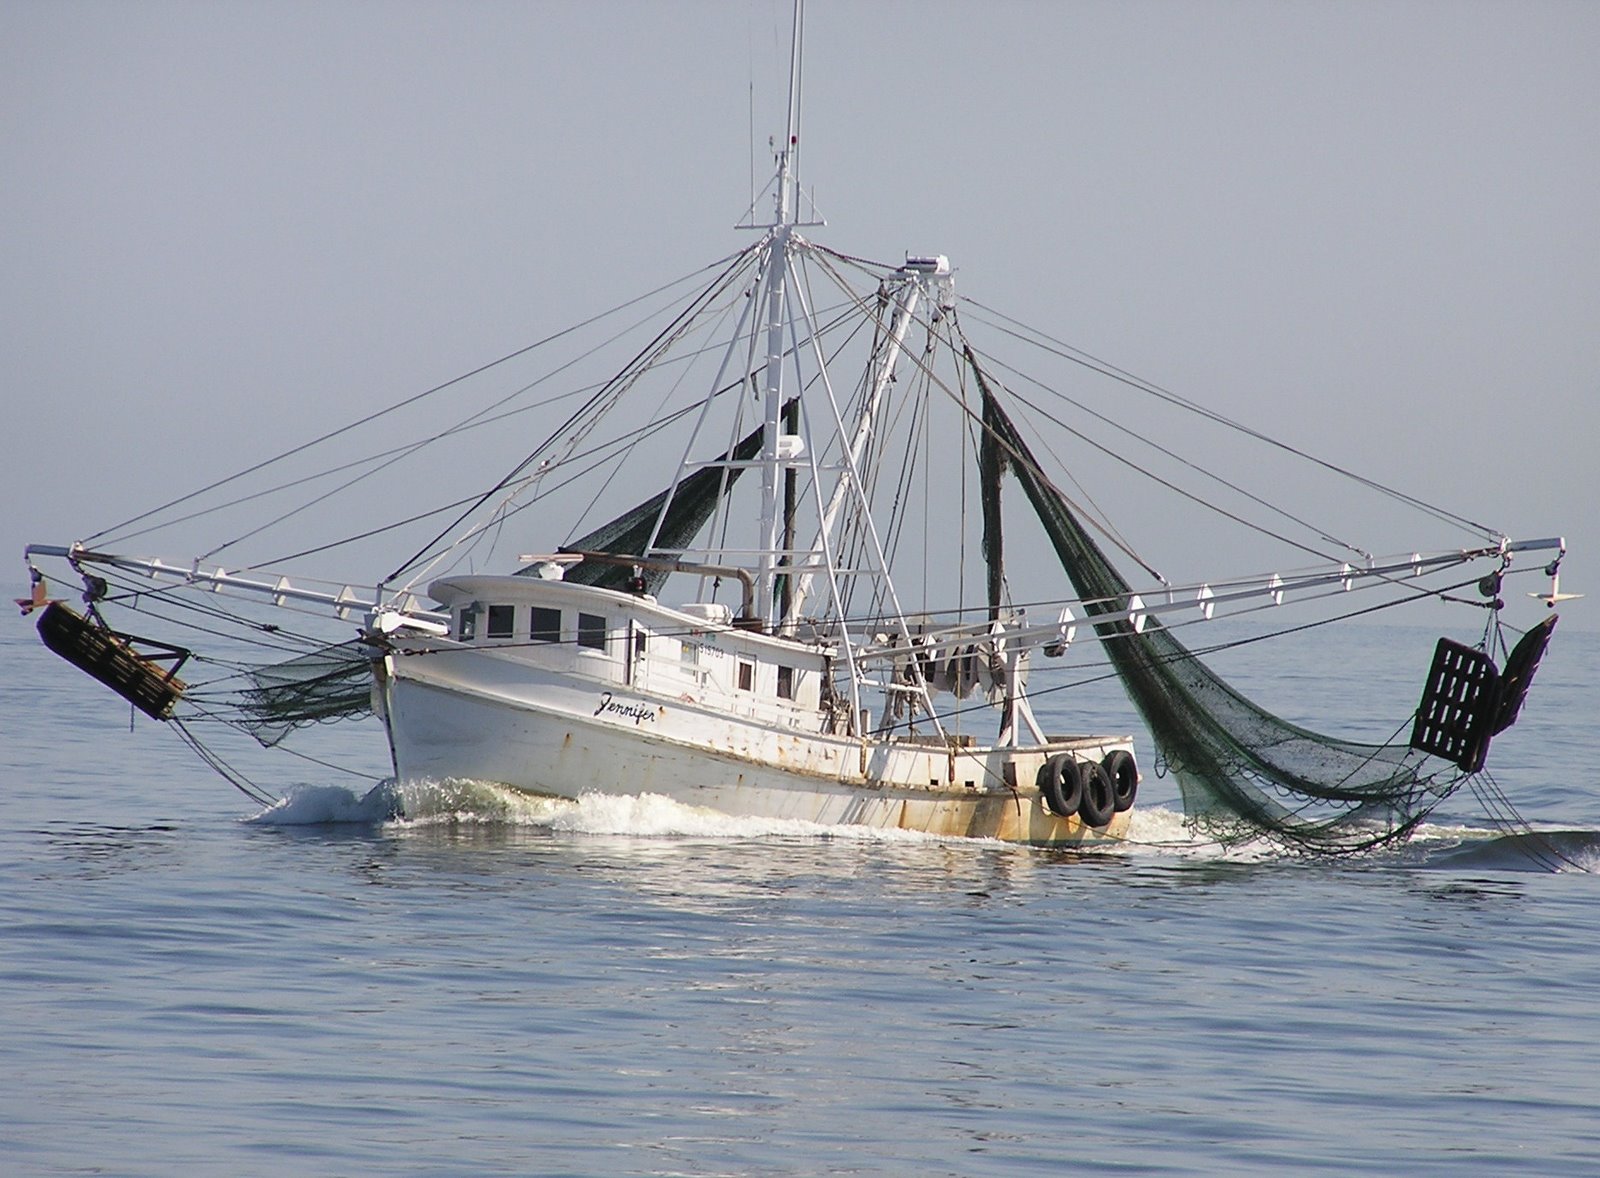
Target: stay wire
(396, 455)
(1066, 351)
(229, 774)
(619, 440)
(1504, 814)
(1198, 500)
(397, 406)
(288, 641)
(215, 717)
(483, 418)
(1260, 501)
(627, 373)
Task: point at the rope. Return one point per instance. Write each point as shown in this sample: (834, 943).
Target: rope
(396, 407)
(232, 776)
(1503, 814)
(609, 391)
(1067, 352)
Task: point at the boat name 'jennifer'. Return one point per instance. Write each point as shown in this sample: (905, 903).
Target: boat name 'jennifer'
(638, 713)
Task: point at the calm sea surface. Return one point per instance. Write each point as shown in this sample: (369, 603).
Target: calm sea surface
(190, 987)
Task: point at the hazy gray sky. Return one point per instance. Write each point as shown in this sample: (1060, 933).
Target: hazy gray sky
(1372, 228)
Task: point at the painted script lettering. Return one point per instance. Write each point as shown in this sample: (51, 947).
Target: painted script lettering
(611, 706)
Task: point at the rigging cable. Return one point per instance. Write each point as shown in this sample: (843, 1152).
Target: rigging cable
(374, 416)
(1074, 355)
(1171, 486)
(608, 392)
(234, 778)
(1504, 815)
(1260, 501)
(484, 416)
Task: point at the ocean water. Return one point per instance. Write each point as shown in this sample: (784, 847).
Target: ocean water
(190, 985)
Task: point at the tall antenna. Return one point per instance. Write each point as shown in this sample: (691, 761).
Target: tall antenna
(790, 176)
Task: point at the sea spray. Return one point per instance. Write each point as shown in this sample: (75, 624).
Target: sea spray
(319, 805)
(1155, 831)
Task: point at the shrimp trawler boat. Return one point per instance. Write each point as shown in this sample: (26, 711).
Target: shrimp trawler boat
(816, 614)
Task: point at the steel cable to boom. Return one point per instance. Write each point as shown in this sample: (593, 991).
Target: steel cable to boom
(1198, 500)
(955, 397)
(1100, 524)
(397, 406)
(1045, 342)
(483, 416)
(1065, 351)
(1505, 816)
(469, 424)
(608, 390)
(1165, 451)
(628, 439)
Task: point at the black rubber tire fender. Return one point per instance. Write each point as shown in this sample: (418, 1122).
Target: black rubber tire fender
(1099, 802)
(1124, 773)
(1061, 783)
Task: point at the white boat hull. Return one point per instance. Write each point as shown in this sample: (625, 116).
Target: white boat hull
(481, 719)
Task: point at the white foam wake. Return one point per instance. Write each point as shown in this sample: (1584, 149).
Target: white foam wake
(320, 805)
(1156, 830)
(460, 802)
(655, 815)
(637, 815)
(1153, 830)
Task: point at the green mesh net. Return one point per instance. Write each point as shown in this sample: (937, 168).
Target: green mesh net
(1242, 771)
(334, 683)
(693, 501)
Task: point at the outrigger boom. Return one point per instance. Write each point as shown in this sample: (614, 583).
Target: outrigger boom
(1204, 598)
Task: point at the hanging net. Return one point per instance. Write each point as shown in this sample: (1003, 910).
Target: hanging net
(334, 683)
(692, 502)
(1242, 771)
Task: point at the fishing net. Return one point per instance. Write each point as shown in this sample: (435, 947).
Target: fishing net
(1242, 771)
(334, 683)
(692, 503)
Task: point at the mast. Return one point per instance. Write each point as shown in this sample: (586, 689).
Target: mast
(785, 200)
(920, 278)
(777, 269)
(904, 309)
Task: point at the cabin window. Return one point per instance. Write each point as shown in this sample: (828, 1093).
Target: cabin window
(641, 642)
(747, 676)
(467, 627)
(592, 631)
(785, 682)
(502, 621)
(546, 624)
